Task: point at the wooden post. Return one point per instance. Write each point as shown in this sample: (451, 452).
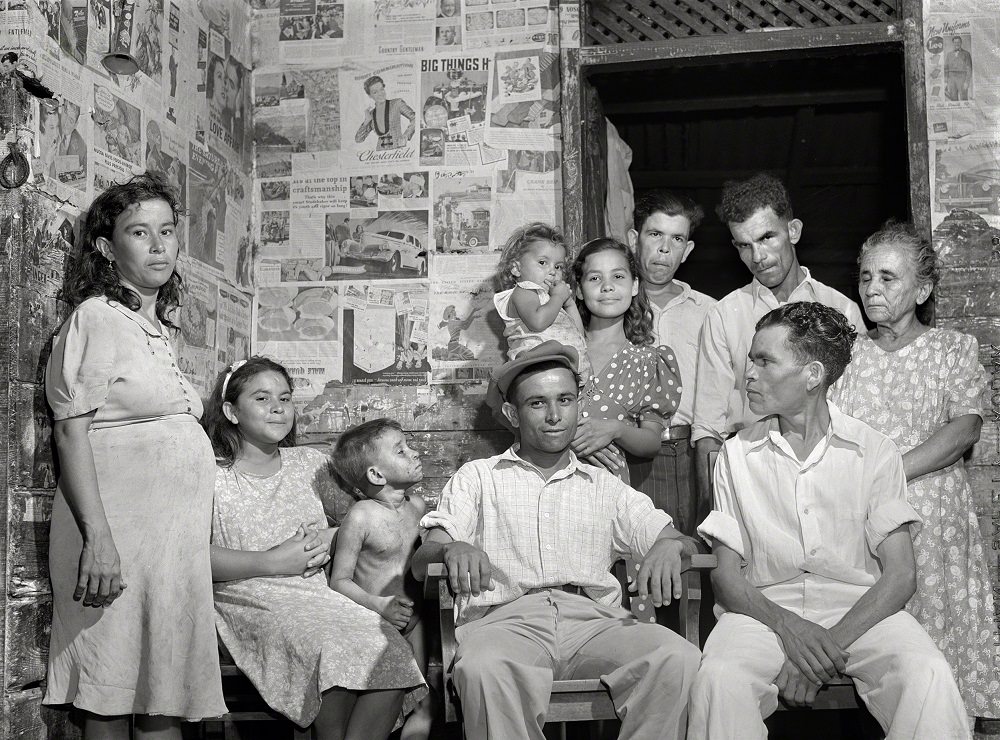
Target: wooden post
(916, 115)
(31, 273)
(8, 359)
(571, 106)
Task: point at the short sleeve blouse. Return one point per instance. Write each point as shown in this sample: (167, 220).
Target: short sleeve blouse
(108, 358)
(639, 383)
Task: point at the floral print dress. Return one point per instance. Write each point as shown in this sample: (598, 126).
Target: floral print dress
(295, 637)
(908, 395)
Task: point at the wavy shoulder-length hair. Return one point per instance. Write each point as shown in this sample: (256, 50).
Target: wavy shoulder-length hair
(638, 321)
(91, 274)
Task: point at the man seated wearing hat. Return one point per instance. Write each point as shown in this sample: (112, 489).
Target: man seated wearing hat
(528, 538)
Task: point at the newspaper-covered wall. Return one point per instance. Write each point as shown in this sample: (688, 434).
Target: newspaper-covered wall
(185, 114)
(962, 62)
(398, 144)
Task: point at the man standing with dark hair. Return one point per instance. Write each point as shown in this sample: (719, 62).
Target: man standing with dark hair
(528, 538)
(662, 241)
(811, 528)
(765, 232)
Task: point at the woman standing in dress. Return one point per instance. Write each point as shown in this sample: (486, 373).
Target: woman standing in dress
(634, 388)
(133, 631)
(922, 386)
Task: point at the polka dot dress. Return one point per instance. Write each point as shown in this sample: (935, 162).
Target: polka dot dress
(639, 383)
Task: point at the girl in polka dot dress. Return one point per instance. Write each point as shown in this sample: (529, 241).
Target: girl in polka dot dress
(635, 388)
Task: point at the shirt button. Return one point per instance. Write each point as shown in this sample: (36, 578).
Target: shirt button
(813, 551)
(548, 547)
(805, 510)
(546, 515)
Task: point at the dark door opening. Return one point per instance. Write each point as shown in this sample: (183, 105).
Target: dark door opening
(832, 127)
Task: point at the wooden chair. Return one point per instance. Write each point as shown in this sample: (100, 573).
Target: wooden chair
(246, 706)
(577, 700)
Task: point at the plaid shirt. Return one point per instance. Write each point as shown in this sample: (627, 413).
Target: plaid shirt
(537, 533)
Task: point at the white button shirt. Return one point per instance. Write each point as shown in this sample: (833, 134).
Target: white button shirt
(807, 531)
(720, 404)
(569, 529)
(678, 326)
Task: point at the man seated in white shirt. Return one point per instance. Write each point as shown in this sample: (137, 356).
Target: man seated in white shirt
(662, 241)
(528, 538)
(765, 232)
(811, 528)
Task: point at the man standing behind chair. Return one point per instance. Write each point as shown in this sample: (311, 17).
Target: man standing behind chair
(662, 241)
(759, 215)
(528, 538)
(811, 531)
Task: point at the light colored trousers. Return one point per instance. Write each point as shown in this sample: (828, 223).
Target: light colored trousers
(900, 674)
(507, 660)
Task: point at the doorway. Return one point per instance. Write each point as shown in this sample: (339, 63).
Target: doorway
(832, 126)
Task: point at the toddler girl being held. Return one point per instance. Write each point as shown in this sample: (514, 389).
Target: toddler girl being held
(535, 302)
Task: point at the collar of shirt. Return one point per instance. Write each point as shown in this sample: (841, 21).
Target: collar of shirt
(841, 426)
(134, 316)
(573, 467)
(686, 294)
(762, 293)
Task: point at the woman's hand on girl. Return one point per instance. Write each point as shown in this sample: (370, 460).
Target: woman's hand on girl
(99, 581)
(595, 434)
(301, 552)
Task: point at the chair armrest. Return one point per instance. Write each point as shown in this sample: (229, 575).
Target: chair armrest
(689, 609)
(701, 562)
(435, 574)
(436, 590)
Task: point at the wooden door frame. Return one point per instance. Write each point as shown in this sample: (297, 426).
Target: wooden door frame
(583, 195)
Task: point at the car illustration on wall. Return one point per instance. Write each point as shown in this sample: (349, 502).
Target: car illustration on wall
(394, 249)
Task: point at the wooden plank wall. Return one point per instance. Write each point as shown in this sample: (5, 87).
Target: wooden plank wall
(968, 299)
(32, 263)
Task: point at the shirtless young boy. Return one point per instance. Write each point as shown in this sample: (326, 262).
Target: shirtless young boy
(379, 535)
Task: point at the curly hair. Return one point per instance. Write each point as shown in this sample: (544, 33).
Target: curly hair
(743, 198)
(919, 251)
(355, 448)
(371, 82)
(517, 244)
(671, 204)
(227, 441)
(91, 274)
(639, 317)
(815, 332)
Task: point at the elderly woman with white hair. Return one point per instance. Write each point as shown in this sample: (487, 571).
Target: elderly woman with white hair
(922, 386)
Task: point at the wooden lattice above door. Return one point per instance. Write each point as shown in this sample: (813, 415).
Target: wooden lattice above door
(636, 21)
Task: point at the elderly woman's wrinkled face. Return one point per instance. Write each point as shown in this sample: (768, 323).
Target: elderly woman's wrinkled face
(888, 284)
